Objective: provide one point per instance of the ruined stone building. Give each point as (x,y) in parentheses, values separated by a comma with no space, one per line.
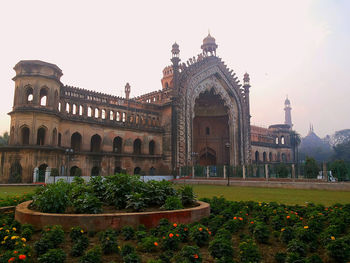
(201,116)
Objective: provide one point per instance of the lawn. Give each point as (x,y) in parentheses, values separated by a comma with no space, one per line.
(15,190)
(279,195)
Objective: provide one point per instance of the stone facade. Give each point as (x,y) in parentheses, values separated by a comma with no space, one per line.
(200,116)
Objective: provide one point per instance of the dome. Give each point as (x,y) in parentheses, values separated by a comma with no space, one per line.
(209,45)
(175,50)
(209,40)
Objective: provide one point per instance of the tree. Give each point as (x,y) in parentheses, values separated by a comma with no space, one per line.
(4,139)
(295,140)
(311,168)
(342,151)
(339,170)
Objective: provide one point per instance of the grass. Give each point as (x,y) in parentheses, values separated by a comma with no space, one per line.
(279,195)
(15,190)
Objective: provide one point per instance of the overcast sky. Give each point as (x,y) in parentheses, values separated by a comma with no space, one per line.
(300,48)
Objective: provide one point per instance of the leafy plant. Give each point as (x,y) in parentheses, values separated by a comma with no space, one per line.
(136,202)
(261,232)
(149,244)
(108,241)
(132,258)
(172,203)
(249,252)
(80,245)
(127,249)
(53,256)
(190,254)
(87,203)
(221,248)
(76,232)
(128,232)
(187,195)
(93,255)
(199,234)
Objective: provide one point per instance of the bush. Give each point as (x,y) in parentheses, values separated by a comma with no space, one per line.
(108,241)
(172,203)
(338,250)
(140,235)
(314,259)
(132,258)
(76,233)
(199,234)
(249,252)
(27,231)
(295,246)
(261,232)
(149,244)
(42,246)
(136,201)
(93,255)
(87,203)
(187,195)
(190,254)
(53,256)
(171,241)
(280,257)
(128,232)
(221,248)
(156,192)
(287,234)
(54,234)
(80,245)
(53,198)
(127,249)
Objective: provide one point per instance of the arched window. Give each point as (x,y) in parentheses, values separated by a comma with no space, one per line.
(80,110)
(74,109)
(117,145)
(207,131)
(124,117)
(89,112)
(15,173)
(111,115)
(67,107)
(75,141)
(54,137)
(56,99)
(137,119)
(95,145)
(118,116)
(29,95)
(117,170)
(152,171)
(276,140)
(59,106)
(43,97)
(270,157)
(282,140)
(25,135)
(264,157)
(151,147)
(166,85)
(284,158)
(12,135)
(95,171)
(40,139)
(256,156)
(59,139)
(103,114)
(137,170)
(137,146)
(96,113)
(74,170)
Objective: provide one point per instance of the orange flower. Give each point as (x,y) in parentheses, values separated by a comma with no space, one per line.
(177,235)
(175,225)
(288,217)
(15,252)
(200,229)
(306,227)
(163,237)
(209,233)
(252,222)
(240,218)
(332,237)
(185,229)
(11,259)
(235,218)
(22,257)
(195,256)
(171,235)
(156,244)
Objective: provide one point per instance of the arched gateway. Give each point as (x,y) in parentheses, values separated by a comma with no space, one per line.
(212,112)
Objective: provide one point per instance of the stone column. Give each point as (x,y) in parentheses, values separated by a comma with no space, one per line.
(192,171)
(267,172)
(243,166)
(224,171)
(293,172)
(207,172)
(35,174)
(47,174)
(325,172)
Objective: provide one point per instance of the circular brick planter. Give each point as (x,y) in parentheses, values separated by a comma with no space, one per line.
(98,222)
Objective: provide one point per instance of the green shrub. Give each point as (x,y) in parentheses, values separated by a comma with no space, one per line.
(183,231)
(166,257)
(132,258)
(53,198)
(53,256)
(93,255)
(223,233)
(171,241)
(261,232)
(76,232)
(232,225)
(156,192)
(127,249)
(314,259)
(108,241)
(42,246)
(221,248)
(87,203)
(54,234)
(296,246)
(200,235)
(287,234)
(280,257)
(187,195)
(338,250)
(172,203)
(128,232)
(249,252)
(80,245)
(149,244)
(216,223)
(293,257)
(27,231)
(190,254)
(140,235)
(136,202)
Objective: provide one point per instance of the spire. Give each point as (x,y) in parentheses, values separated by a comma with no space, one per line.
(209,46)
(127,90)
(288,113)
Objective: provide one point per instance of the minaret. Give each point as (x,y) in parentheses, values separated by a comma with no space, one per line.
(209,46)
(287,113)
(127,90)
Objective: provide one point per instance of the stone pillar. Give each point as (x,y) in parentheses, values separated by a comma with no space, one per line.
(325,172)
(192,171)
(224,171)
(35,174)
(47,174)
(293,172)
(266,172)
(243,166)
(207,172)
(179,176)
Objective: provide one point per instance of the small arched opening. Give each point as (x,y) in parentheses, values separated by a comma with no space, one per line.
(117,170)
(264,157)
(43,97)
(152,171)
(137,146)
(75,171)
(75,142)
(282,140)
(29,95)
(42,170)
(137,170)
(284,158)
(270,157)
(40,139)
(25,135)
(95,145)
(59,139)
(151,147)
(15,173)
(95,171)
(54,137)
(256,156)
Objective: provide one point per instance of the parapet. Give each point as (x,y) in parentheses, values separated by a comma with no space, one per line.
(37,68)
